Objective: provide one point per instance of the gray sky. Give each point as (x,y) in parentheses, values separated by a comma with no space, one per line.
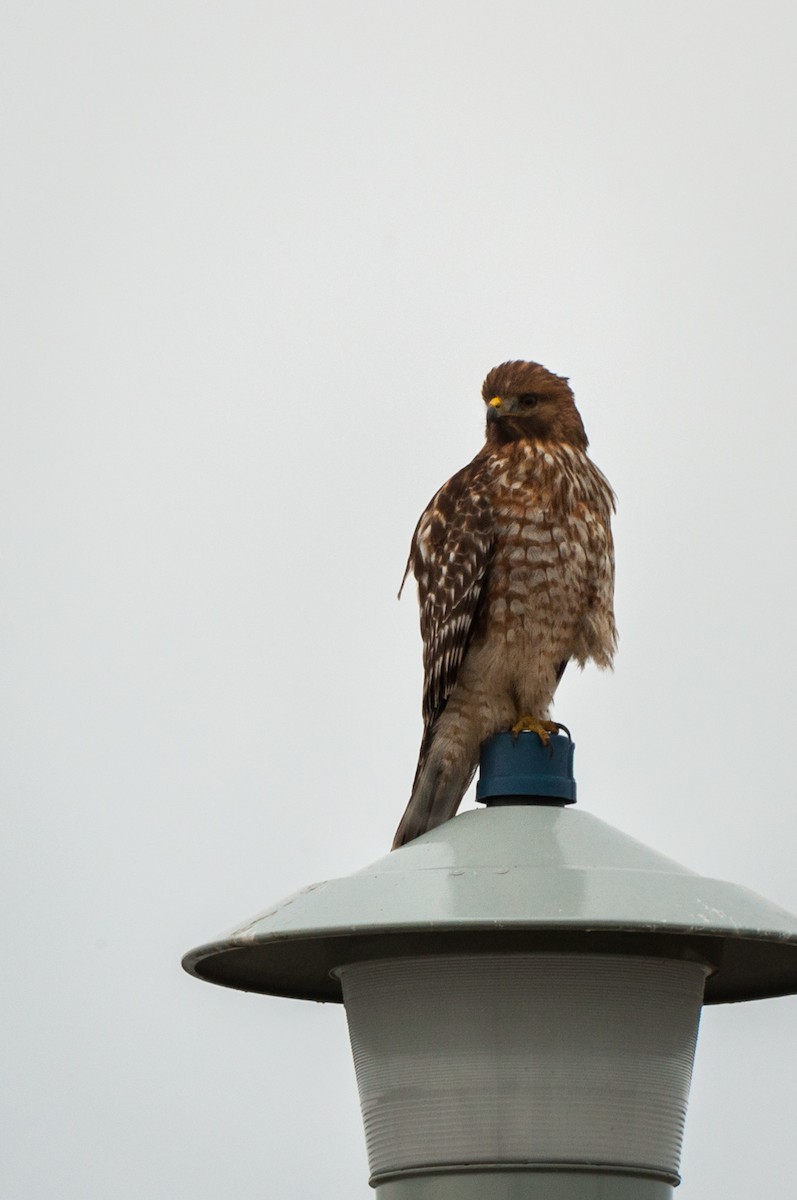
(257,260)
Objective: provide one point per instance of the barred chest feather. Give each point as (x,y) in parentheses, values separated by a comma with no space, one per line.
(551,509)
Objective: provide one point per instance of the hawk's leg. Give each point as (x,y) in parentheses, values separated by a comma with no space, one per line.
(543,729)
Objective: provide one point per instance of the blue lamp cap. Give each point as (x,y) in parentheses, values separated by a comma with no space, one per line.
(519,769)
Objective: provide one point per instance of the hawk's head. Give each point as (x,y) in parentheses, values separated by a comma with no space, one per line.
(526,401)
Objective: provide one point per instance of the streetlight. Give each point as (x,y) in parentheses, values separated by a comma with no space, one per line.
(523,988)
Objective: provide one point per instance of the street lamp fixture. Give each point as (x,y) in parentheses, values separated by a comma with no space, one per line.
(523,987)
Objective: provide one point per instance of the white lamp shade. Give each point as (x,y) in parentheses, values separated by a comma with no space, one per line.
(524,1059)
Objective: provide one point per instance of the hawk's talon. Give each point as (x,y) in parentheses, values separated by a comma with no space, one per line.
(543,729)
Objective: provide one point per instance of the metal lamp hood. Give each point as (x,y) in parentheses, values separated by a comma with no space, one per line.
(512,878)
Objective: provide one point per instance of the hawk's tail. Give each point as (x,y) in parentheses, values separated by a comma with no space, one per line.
(441,780)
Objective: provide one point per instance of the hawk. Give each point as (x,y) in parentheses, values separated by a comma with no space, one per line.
(515,568)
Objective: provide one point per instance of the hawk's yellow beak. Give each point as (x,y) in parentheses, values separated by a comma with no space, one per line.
(494,409)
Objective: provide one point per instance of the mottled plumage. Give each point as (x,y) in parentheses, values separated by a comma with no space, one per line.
(515,570)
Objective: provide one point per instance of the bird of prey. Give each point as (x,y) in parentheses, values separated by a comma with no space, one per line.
(515,568)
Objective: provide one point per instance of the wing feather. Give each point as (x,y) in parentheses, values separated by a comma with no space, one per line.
(451,551)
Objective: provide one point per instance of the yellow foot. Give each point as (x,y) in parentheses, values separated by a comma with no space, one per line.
(543,729)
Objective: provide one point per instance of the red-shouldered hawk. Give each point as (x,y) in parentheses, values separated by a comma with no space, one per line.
(515,569)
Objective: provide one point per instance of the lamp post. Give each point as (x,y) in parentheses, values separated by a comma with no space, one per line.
(523,988)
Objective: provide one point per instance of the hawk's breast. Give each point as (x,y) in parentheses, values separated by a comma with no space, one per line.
(539,583)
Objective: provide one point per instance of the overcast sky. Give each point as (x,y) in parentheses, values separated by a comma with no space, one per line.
(257,258)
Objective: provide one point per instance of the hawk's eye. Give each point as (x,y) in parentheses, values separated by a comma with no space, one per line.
(527,399)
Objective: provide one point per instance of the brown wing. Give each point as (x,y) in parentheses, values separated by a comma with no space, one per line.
(450,553)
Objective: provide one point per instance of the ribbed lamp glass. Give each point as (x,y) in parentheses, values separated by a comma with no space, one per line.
(540,1060)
